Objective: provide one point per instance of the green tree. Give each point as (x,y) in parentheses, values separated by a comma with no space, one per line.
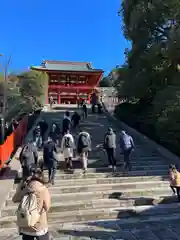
(152,68)
(33,87)
(105,82)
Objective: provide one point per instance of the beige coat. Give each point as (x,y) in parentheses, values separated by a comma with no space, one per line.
(44,202)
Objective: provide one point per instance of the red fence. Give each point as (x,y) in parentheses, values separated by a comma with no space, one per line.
(14,140)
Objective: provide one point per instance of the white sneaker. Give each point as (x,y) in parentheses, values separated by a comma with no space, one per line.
(110,166)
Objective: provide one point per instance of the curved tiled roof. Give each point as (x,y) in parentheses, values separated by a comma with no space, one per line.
(66,66)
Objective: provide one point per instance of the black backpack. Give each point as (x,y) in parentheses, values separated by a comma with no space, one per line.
(67,142)
(83,141)
(26,155)
(26,152)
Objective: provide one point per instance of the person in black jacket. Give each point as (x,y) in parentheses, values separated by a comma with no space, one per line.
(66,124)
(75,119)
(43,127)
(50,160)
(54,132)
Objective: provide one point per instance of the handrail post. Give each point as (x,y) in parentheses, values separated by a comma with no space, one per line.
(2,129)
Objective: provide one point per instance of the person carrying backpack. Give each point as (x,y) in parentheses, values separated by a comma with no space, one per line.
(28,158)
(127,146)
(67,148)
(84,147)
(66,124)
(110,146)
(50,158)
(34,203)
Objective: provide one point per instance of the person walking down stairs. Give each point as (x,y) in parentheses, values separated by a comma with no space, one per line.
(84,147)
(174,177)
(110,147)
(127,146)
(34,203)
(67,148)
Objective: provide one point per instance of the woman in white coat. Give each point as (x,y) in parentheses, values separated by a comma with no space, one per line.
(67,148)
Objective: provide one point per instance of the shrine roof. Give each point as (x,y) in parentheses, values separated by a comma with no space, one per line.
(66,66)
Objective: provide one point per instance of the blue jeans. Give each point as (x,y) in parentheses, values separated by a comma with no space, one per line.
(127,160)
(38,142)
(51,174)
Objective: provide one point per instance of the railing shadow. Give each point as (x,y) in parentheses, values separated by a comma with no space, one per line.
(126,224)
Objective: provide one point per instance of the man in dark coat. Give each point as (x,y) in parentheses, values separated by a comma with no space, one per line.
(43,127)
(66,124)
(50,158)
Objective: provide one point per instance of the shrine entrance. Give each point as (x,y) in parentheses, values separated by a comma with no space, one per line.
(70,81)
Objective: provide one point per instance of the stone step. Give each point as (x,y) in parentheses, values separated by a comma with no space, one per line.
(110,186)
(102,214)
(94,168)
(159,197)
(96,173)
(107,180)
(154,228)
(134,168)
(134,163)
(99,203)
(117,194)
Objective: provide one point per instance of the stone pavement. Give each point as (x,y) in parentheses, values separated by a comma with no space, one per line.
(104,205)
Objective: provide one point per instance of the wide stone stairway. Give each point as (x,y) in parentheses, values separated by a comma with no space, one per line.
(106,205)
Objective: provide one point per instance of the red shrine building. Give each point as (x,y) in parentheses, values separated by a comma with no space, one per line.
(70,81)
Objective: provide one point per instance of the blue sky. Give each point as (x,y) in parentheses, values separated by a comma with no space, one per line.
(75,30)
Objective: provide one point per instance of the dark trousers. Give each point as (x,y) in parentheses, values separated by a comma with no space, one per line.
(127,160)
(51,174)
(44,237)
(93,108)
(99,108)
(178,193)
(68,162)
(110,155)
(26,172)
(84,113)
(173,189)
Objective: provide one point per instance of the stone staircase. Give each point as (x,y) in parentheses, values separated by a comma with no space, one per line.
(106,205)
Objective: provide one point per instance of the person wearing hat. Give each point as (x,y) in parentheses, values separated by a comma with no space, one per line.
(127,146)
(110,146)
